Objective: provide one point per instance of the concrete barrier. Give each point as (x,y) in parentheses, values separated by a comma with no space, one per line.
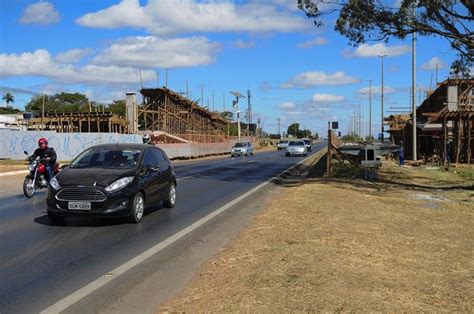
(69,145)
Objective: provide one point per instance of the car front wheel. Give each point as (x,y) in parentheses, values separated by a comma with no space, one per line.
(171,199)
(138,208)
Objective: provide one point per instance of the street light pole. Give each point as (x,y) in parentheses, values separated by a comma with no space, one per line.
(413,92)
(370,108)
(382,87)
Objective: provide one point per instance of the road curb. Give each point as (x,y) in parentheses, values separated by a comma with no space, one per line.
(11,173)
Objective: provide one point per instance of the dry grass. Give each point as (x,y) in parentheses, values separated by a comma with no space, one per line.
(353,246)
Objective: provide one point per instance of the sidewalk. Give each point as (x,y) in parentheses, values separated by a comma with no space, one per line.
(345,245)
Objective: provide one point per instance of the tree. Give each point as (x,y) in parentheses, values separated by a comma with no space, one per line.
(8,98)
(61,102)
(118,107)
(293,129)
(368,20)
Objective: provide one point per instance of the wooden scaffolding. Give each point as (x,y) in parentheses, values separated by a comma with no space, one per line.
(81,122)
(166,111)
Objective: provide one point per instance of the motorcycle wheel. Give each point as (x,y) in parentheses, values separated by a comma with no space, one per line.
(29,188)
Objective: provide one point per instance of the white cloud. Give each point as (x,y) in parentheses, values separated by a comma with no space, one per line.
(127,13)
(286,105)
(378,49)
(318,41)
(72,55)
(40,13)
(376,90)
(40,63)
(327,98)
(431,64)
(152,52)
(165,17)
(311,79)
(244,44)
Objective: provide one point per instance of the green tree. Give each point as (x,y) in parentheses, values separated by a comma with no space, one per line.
(8,110)
(8,98)
(61,102)
(293,129)
(118,107)
(368,20)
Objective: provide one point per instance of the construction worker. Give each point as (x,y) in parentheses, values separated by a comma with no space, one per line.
(147,139)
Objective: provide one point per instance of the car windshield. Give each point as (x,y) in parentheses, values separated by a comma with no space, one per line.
(306,142)
(283,142)
(240,144)
(107,158)
(296,143)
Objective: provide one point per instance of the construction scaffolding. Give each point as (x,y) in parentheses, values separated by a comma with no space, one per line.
(445,129)
(166,111)
(81,122)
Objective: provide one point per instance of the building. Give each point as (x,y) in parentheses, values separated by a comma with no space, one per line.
(445,123)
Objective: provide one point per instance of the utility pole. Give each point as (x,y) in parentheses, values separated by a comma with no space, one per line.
(382,87)
(141,79)
(279,131)
(413,91)
(187,89)
(370,108)
(42,114)
(236,103)
(249,108)
(202,96)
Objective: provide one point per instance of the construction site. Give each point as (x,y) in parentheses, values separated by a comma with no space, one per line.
(166,115)
(445,125)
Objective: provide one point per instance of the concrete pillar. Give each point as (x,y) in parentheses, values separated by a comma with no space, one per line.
(132,112)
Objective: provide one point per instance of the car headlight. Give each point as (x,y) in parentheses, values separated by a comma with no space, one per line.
(119,184)
(54,183)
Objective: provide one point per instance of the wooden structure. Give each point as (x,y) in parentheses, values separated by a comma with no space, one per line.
(166,111)
(445,127)
(81,122)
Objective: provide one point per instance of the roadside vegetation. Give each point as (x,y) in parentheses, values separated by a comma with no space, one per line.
(346,245)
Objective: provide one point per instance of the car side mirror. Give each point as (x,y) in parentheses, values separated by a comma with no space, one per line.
(25,152)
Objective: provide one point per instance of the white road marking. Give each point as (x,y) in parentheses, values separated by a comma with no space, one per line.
(76,296)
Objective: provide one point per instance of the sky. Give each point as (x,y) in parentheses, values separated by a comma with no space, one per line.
(294,71)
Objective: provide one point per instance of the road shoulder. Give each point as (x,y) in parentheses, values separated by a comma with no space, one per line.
(347,245)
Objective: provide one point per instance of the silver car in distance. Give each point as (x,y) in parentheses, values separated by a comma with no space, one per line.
(242,149)
(296,148)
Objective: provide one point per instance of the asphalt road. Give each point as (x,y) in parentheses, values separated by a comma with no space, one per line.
(41,264)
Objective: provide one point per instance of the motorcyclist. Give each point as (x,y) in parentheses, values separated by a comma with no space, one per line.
(147,139)
(46,155)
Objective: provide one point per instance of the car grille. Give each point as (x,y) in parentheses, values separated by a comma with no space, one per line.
(81,194)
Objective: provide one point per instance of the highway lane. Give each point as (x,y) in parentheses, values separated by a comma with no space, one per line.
(41,264)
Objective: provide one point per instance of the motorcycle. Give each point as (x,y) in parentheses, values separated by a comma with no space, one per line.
(36,179)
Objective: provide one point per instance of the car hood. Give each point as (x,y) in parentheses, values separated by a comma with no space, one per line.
(92,176)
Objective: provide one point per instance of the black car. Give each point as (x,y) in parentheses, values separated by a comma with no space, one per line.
(112,180)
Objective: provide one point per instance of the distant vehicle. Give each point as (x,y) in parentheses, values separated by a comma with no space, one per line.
(307,143)
(112,180)
(296,148)
(242,149)
(282,144)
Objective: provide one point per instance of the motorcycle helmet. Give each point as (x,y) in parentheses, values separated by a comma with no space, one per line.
(43,143)
(146,139)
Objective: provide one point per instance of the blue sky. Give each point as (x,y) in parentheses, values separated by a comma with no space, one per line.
(295,72)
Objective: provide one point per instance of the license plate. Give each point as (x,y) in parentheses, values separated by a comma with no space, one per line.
(79,206)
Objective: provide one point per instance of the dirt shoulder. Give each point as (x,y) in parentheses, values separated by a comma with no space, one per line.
(345,245)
